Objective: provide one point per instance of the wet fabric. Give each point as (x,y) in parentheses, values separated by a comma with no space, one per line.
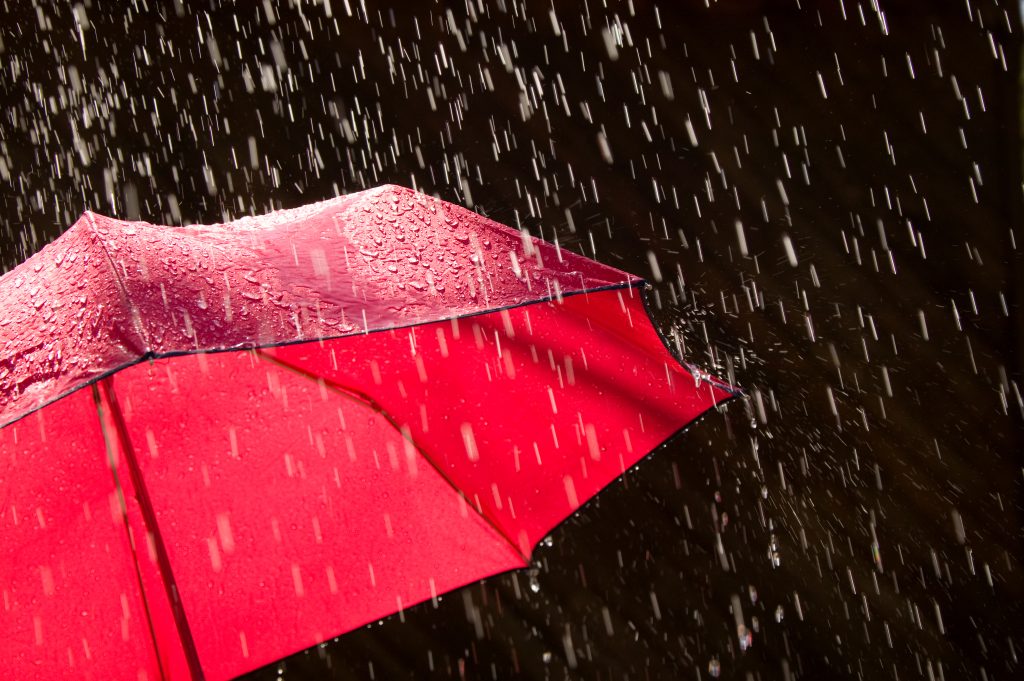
(228,443)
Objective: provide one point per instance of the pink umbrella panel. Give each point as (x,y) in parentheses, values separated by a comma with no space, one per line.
(228,443)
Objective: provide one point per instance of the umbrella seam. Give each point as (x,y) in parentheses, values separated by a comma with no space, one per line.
(151,355)
(377,407)
(136,322)
(637,283)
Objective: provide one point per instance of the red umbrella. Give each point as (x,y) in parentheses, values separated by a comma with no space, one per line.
(224,444)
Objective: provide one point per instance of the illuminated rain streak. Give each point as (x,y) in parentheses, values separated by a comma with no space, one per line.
(469,441)
(923,323)
(787,244)
(610,44)
(652,260)
(690,132)
(606,151)
(741,238)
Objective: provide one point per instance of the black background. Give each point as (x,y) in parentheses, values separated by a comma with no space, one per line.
(883,376)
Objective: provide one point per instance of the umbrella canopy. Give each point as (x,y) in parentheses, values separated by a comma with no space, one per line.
(223,444)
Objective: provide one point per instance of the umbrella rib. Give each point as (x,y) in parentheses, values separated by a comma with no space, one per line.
(131,538)
(188,644)
(364,399)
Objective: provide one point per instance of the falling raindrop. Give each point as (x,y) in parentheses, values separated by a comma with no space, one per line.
(745,637)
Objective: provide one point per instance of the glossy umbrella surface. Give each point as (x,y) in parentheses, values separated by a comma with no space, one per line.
(223,444)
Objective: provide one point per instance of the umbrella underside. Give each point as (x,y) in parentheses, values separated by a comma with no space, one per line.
(292,493)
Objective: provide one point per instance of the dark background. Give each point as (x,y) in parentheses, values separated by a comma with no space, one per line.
(867,491)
